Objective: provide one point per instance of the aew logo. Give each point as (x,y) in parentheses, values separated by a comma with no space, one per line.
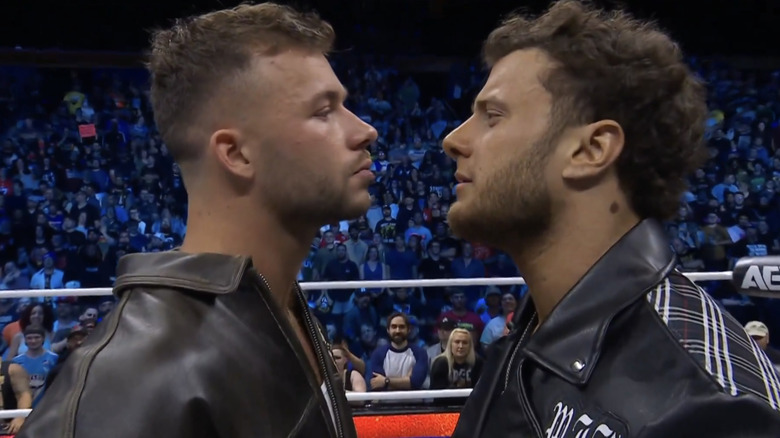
(758,276)
(584,427)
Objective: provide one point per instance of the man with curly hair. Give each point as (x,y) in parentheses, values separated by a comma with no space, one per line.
(579,146)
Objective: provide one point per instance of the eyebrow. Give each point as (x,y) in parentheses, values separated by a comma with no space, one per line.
(482,103)
(332,95)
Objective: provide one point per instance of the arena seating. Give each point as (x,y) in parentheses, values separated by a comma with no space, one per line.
(86,178)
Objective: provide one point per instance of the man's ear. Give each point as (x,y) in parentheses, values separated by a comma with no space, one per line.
(231,154)
(596,149)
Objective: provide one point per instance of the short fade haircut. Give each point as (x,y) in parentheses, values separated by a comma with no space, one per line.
(609,65)
(197,56)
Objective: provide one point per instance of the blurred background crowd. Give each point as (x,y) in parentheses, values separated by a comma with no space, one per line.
(86,179)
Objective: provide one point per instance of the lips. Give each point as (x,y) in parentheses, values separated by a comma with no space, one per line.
(461,178)
(366,166)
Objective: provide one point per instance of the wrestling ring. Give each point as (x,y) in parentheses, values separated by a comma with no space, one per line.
(379,419)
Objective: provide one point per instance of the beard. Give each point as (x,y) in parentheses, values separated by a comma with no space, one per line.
(511,204)
(317,199)
(399,339)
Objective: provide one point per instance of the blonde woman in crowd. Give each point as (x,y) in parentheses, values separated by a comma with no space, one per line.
(458,366)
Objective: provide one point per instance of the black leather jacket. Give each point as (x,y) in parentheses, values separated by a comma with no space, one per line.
(633,350)
(196,347)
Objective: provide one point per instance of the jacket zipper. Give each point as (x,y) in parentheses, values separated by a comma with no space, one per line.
(320,356)
(514,353)
(315,334)
(526,404)
(523,396)
(83,369)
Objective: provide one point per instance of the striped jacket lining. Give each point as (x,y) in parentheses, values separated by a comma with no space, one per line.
(715,339)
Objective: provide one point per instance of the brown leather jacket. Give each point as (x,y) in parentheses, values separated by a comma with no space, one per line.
(195,348)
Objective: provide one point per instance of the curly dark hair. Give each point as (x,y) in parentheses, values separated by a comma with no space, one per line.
(610,65)
(48,316)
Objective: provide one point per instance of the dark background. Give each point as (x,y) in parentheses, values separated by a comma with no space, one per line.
(441,27)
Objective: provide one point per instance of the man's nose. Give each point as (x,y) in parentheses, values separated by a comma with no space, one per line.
(456,143)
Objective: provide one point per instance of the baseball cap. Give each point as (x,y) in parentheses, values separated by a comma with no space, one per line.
(447,324)
(756,328)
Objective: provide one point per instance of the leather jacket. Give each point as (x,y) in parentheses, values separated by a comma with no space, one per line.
(634,349)
(196,347)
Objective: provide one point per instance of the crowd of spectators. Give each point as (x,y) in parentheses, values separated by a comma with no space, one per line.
(85,179)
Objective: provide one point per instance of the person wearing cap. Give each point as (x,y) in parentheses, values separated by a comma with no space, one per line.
(760,333)
(489,306)
(443,330)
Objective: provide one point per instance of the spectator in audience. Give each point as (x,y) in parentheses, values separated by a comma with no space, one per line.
(496,327)
(105,306)
(14,278)
(325,254)
(341,269)
(399,300)
(760,333)
(458,366)
(489,306)
(398,366)
(67,317)
(443,330)
(16,394)
(401,261)
(422,232)
(386,228)
(466,266)
(367,343)
(37,314)
(352,379)
(74,339)
(356,248)
(373,269)
(462,316)
(49,277)
(363,313)
(37,360)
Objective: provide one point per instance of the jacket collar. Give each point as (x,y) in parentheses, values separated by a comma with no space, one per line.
(206,273)
(570,340)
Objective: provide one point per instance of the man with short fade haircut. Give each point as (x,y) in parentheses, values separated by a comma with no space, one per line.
(215,339)
(579,146)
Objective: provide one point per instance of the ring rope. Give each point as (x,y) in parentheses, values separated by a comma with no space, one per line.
(330,285)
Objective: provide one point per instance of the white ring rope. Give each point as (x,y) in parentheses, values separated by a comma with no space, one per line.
(330,285)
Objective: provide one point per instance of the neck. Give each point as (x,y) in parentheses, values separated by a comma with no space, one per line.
(459,360)
(276,247)
(551,267)
(400,346)
(34,353)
